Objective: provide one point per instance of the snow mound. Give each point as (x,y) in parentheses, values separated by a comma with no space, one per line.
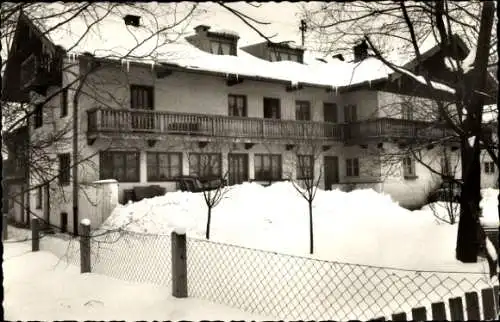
(361,226)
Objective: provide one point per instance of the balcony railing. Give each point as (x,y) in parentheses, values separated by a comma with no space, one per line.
(394,128)
(134,121)
(122,121)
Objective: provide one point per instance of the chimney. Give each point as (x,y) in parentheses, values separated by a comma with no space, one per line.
(132,20)
(201,29)
(360,51)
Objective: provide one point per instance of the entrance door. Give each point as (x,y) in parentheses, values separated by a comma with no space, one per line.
(331,164)
(238,168)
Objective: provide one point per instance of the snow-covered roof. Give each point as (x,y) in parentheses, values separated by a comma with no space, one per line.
(111,38)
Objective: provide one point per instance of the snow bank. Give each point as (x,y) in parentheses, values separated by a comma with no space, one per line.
(361,226)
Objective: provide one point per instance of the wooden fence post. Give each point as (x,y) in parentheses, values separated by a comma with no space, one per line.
(438,311)
(5,232)
(85,246)
(472,306)
(419,314)
(488,303)
(35,234)
(456,309)
(179,264)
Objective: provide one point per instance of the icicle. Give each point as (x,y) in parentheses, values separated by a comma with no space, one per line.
(370,83)
(336,91)
(128,66)
(152,66)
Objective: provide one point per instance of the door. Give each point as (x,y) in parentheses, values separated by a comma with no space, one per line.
(330,116)
(331,164)
(238,168)
(142,101)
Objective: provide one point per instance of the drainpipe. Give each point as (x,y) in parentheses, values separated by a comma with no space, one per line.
(27,155)
(75,163)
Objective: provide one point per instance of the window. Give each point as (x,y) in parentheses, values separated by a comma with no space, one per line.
(408,167)
(406,111)
(272,108)
(489,167)
(39,198)
(305,167)
(118,165)
(205,164)
(64,168)
(302,110)
(64,102)
(445,167)
(38,116)
(237,105)
(267,167)
(350,113)
(222,48)
(352,167)
(141,97)
(163,166)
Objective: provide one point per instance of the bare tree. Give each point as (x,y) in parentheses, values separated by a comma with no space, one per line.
(206,164)
(381,24)
(308,172)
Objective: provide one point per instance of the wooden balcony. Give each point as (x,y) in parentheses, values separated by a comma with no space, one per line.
(391,128)
(40,71)
(125,121)
(155,124)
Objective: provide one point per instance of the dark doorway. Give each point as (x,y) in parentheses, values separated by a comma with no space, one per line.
(331,164)
(238,168)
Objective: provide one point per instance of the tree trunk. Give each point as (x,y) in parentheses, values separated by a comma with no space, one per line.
(467,239)
(207,234)
(311,234)
(467,243)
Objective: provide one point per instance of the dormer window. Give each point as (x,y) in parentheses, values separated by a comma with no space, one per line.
(218,47)
(277,55)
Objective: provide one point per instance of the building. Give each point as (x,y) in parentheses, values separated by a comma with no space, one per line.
(202,105)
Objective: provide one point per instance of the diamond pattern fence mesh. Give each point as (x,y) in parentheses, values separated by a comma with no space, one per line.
(290,287)
(270,284)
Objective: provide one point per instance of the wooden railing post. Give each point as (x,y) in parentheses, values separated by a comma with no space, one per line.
(179,264)
(85,246)
(35,234)
(489,303)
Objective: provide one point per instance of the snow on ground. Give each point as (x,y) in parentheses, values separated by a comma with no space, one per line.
(349,227)
(37,288)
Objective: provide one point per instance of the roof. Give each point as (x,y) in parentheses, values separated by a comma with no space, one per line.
(111,38)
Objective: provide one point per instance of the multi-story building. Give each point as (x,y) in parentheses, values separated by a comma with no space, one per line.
(249,111)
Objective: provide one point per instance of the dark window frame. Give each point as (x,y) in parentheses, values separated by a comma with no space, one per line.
(155,177)
(232,47)
(201,173)
(105,173)
(230,108)
(334,107)
(64,173)
(350,113)
(134,101)
(352,167)
(409,170)
(64,102)
(489,167)
(38,116)
(300,113)
(268,174)
(301,160)
(39,197)
(272,103)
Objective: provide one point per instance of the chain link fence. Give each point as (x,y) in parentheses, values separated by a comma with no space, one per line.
(299,288)
(266,283)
